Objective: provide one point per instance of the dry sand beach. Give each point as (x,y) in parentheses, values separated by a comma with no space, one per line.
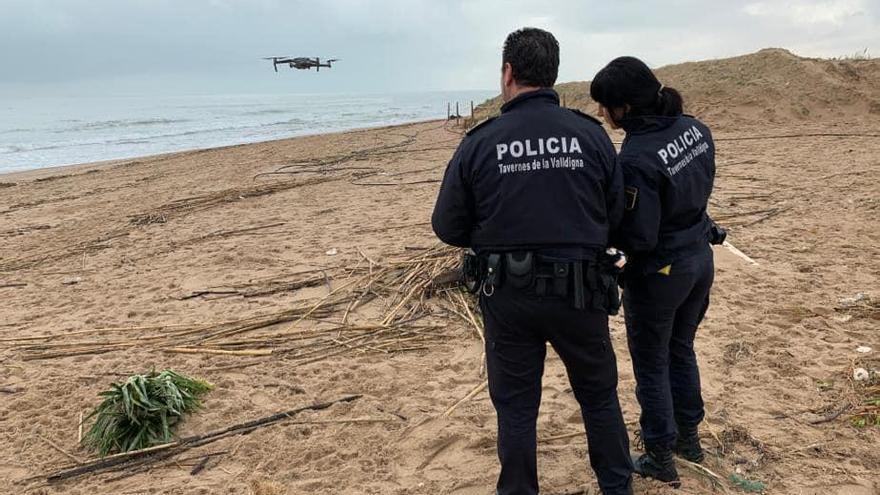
(116,268)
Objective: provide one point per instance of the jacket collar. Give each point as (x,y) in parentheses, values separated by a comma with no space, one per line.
(647,123)
(543,95)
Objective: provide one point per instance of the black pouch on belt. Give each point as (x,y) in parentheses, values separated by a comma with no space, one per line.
(472,271)
(520,269)
(578,301)
(595,287)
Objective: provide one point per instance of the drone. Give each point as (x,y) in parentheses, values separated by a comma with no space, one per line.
(300,62)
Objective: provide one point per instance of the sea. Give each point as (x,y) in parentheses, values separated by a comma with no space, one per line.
(37,132)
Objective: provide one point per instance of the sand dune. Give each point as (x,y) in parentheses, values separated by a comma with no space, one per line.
(770,86)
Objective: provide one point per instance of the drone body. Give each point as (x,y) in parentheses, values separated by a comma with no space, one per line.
(300,62)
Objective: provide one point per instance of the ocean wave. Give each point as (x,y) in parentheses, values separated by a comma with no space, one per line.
(293,121)
(121,123)
(246,130)
(16,130)
(11,148)
(268,111)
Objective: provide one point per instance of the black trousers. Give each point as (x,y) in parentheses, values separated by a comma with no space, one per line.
(518,327)
(662,315)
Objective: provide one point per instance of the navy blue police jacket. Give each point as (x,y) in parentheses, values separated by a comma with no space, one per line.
(668,168)
(538,177)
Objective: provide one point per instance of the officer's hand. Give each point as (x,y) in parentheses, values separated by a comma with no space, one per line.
(618,257)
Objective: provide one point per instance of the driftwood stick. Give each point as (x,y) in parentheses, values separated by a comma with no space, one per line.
(562,437)
(200,466)
(79,435)
(831,416)
(713,477)
(59,449)
(244,352)
(768,216)
(730,247)
(473,393)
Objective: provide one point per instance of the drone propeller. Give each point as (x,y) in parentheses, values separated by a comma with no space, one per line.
(333,60)
(274,61)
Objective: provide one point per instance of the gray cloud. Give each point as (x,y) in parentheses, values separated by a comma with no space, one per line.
(215,45)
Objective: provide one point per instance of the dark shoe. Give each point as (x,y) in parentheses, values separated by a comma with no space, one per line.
(688,444)
(626,491)
(659,464)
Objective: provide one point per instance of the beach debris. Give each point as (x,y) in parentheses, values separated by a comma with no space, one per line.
(715,479)
(79,427)
(77,249)
(747,485)
(149,218)
(138,460)
(411,301)
(860,305)
(200,466)
(23,230)
(71,280)
(852,301)
(832,415)
(288,282)
(866,393)
(824,385)
(332,252)
(473,393)
(143,411)
(59,449)
(868,411)
(863,349)
(11,390)
(186,206)
(861,375)
(733,249)
(12,285)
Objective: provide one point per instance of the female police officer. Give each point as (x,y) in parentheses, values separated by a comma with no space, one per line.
(668,162)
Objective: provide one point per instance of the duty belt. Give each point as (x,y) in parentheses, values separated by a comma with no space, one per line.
(588,283)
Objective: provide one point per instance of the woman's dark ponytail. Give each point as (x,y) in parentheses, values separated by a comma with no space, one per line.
(669,103)
(629,81)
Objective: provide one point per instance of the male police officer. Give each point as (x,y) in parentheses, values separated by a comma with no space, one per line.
(534,192)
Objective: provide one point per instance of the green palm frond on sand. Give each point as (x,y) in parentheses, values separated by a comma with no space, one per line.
(143,411)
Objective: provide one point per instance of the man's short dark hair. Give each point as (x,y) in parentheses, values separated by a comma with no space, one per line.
(534,55)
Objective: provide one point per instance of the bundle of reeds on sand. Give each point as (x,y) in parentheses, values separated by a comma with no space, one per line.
(380,307)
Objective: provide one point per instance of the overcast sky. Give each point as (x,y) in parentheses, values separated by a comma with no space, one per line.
(55,47)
